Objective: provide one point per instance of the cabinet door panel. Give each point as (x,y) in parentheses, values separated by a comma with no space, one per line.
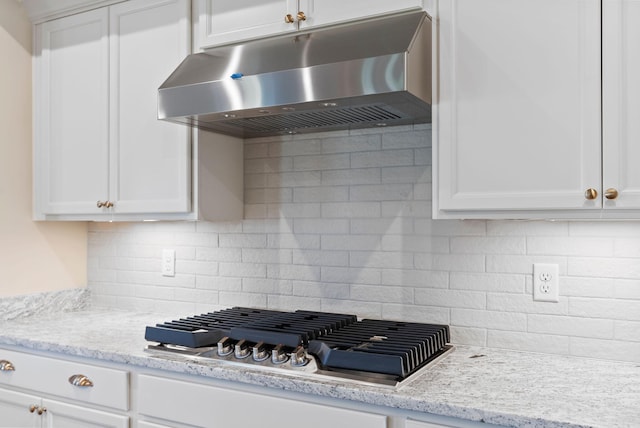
(14,410)
(226,21)
(51,376)
(517,125)
(72,131)
(621,101)
(202,405)
(62,415)
(323,12)
(150,158)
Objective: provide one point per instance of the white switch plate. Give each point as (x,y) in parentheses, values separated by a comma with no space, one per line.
(546,284)
(168,262)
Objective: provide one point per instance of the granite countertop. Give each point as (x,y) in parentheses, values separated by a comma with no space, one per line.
(494,386)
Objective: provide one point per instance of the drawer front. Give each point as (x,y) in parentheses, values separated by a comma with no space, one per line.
(52,376)
(212,407)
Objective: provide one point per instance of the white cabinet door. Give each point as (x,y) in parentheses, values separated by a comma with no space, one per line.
(71,110)
(226,21)
(203,405)
(150,159)
(323,12)
(517,125)
(97,137)
(621,101)
(14,410)
(63,415)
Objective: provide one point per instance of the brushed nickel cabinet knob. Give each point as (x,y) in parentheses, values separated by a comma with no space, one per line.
(611,193)
(591,194)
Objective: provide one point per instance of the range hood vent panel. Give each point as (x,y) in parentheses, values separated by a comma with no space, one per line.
(364,74)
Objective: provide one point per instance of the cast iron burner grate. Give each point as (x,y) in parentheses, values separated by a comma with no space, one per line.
(396,348)
(255,325)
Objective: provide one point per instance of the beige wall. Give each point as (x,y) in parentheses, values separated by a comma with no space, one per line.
(34,256)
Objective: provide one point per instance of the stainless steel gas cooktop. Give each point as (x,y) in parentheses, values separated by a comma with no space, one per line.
(305,343)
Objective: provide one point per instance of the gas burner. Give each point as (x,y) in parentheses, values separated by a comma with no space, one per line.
(305,343)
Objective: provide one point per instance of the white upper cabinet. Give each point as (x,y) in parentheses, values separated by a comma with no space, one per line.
(71,113)
(226,21)
(99,149)
(150,158)
(517,126)
(520,129)
(621,104)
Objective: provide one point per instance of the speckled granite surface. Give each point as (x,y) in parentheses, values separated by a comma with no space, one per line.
(499,387)
(41,303)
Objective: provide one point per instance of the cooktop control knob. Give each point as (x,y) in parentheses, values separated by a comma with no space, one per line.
(242,349)
(299,357)
(278,355)
(225,347)
(260,352)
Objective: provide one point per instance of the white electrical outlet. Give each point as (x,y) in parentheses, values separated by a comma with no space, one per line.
(168,262)
(546,284)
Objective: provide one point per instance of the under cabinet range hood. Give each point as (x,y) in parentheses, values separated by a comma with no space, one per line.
(359,75)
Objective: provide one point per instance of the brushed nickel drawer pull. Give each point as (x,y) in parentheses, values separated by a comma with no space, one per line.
(80,380)
(6,366)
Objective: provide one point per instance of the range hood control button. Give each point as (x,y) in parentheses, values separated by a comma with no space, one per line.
(278,355)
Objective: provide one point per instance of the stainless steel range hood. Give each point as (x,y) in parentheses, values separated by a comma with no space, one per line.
(358,75)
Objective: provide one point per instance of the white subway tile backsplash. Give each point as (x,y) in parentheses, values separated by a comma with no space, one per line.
(487,245)
(615,309)
(383,294)
(605,349)
(242,270)
(381,192)
(533,342)
(320,289)
(627,330)
(563,246)
(524,304)
(626,289)
(321,162)
(443,298)
(341,222)
(270,286)
(350,177)
(359,143)
(321,258)
(350,275)
(626,268)
(489,282)
(414,313)
(350,210)
(415,278)
(571,326)
(492,320)
(321,226)
(321,194)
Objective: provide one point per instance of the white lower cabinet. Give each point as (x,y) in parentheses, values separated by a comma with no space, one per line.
(15,410)
(208,406)
(49,381)
(38,392)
